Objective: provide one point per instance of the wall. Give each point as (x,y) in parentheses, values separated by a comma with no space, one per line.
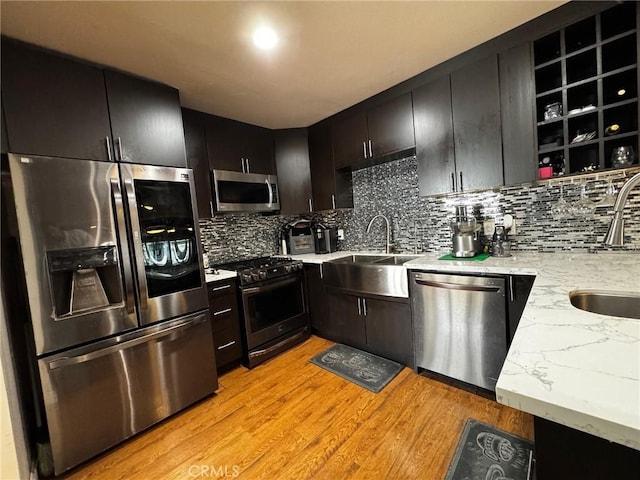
(420,224)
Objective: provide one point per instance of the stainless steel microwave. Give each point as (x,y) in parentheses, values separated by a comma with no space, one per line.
(245,192)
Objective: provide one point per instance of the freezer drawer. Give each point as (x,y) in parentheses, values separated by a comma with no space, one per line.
(98,395)
(460,326)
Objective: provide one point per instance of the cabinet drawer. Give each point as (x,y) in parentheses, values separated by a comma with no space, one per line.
(225,320)
(228,346)
(221,288)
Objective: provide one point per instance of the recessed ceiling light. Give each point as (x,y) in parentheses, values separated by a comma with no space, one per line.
(621,92)
(265,38)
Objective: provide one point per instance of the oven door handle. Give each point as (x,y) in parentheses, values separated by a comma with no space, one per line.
(270,286)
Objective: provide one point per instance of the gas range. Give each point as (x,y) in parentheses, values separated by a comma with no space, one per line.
(256,270)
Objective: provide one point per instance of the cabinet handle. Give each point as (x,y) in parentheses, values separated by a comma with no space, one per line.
(359,307)
(370,151)
(232,342)
(211,208)
(108,142)
(461,184)
(364,306)
(248,169)
(364,149)
(120,149)
(512,293)
(333,202)
(311,205)
(222,312)
(243,167)
(453,182)
(223,287)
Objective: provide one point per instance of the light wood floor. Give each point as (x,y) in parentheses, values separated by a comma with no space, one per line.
(289,419)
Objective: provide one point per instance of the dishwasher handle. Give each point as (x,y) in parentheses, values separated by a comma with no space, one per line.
(458,286)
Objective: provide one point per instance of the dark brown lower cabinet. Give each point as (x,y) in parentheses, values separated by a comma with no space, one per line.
(225,322)
(346,324)
(389,332)
(316,299)
(378,325)
(563,452)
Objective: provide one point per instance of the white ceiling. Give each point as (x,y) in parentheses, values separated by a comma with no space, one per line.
(331,55)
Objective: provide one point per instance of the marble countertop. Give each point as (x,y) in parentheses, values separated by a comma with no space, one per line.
(219,275)
(576,368)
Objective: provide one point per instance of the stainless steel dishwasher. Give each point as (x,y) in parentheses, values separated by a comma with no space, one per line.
(460,326)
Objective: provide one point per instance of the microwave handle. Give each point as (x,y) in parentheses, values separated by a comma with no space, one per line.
(270,188)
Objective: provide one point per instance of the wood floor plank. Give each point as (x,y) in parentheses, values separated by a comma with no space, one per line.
(290,419)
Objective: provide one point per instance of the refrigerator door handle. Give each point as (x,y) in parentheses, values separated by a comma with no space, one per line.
(143,293)
(121,232)
(175,331)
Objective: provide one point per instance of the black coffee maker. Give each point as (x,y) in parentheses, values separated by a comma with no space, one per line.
(326,239)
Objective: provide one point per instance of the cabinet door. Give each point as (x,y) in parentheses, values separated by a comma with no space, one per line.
(258,149)
(53,105)
(347,324)
(294,177)
(389,332)
(224,141)
(5,143)
(146,121)
(349,137)
(434,137)
(391,126)
(195,139)
(321,167)
(317,300)
(475,100)
(330,188)
(517,99)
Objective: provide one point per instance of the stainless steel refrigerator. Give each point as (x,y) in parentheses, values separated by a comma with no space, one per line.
(117,297)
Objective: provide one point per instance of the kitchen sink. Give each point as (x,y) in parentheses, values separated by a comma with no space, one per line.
(369,274)
(396,260)
(607,302)
(359,259)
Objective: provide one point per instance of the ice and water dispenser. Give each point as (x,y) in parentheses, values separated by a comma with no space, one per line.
(84,279)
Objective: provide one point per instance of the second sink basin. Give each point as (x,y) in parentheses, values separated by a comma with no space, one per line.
(607,302)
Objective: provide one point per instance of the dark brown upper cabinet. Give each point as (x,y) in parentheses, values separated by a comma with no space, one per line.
(434,137)
(195,139)
(331,188)
(58,106)
(382,130)
(54,105)
(146,121)
(294,176)
(457,124)
(475,99)
(517,100)
(239,147)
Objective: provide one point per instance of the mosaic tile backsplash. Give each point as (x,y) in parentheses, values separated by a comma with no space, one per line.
(421,224)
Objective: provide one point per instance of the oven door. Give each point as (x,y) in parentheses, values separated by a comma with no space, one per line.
(274,308)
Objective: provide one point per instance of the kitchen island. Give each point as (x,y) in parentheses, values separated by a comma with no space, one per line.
(573,367)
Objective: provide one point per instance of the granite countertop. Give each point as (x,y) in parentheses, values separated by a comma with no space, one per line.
(576,368)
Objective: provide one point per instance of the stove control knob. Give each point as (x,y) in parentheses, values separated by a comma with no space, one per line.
(262,274)
(299,266)
(287,268)
(246,277)
(255,276)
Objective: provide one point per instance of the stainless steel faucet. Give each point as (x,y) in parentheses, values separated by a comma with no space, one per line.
(615,234)
(388,230)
